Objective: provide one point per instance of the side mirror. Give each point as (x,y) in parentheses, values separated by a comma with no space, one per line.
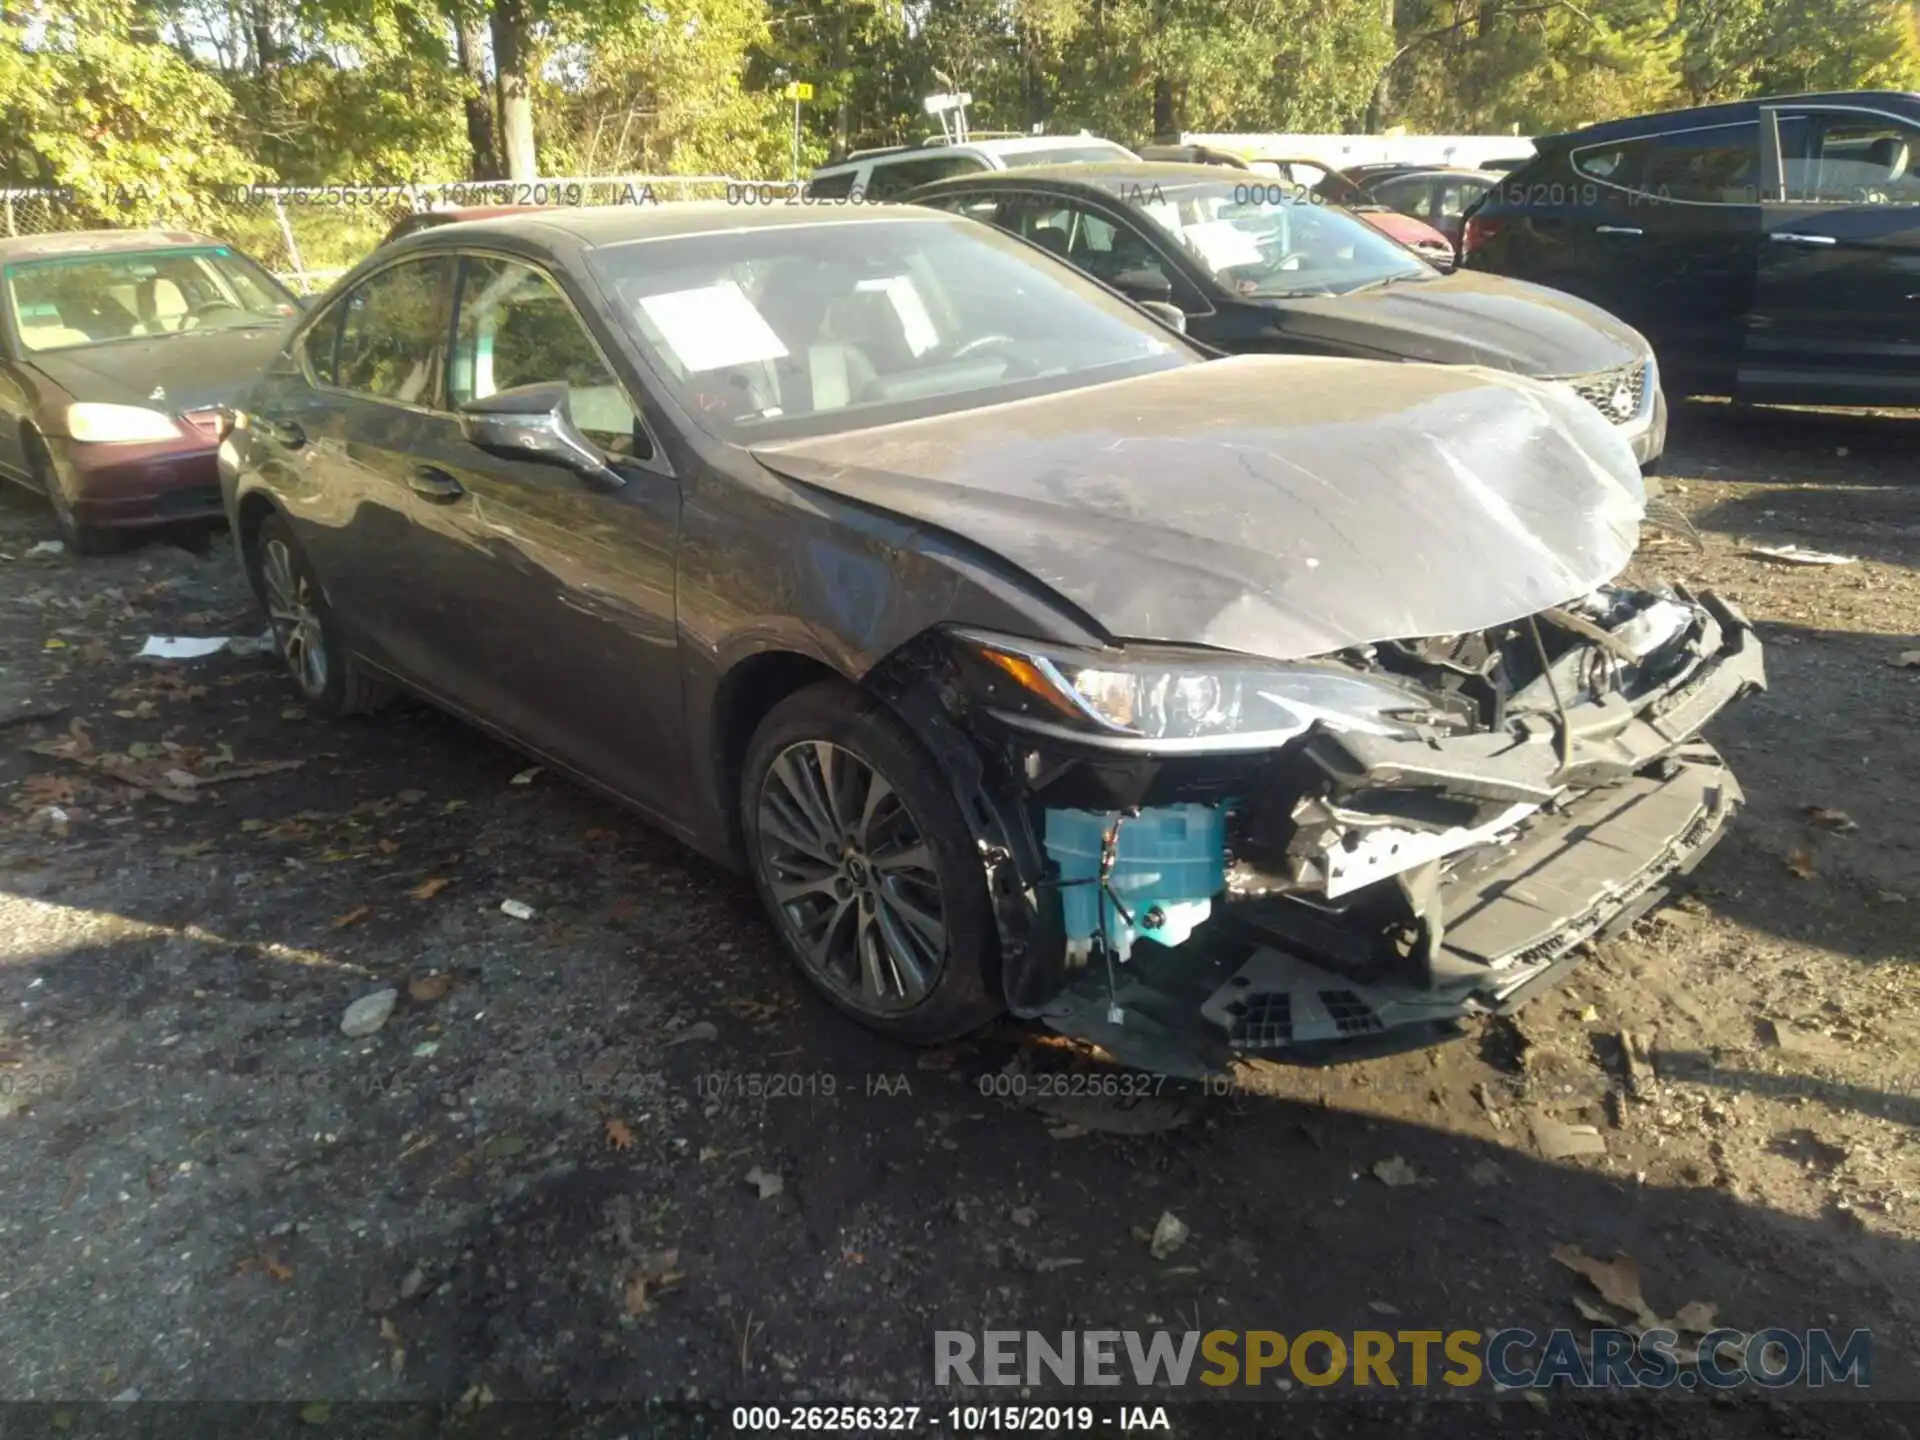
(534,422)
(1143,285)
(1168,314)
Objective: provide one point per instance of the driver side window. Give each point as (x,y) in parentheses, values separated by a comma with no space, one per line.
(515,328)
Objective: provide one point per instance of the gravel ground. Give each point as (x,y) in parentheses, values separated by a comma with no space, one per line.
(617,1151)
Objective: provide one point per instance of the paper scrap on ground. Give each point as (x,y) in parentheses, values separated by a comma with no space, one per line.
(712,327)
(198,647)
(1796,555)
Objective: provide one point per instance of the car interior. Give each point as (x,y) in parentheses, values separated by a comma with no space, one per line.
(67,303)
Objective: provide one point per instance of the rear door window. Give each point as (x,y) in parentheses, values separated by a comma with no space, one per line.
(1710,165)
(394,324)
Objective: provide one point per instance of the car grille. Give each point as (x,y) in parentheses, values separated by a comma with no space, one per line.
(1616,394)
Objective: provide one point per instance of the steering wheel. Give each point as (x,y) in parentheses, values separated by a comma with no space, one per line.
(979,342)
(197,312)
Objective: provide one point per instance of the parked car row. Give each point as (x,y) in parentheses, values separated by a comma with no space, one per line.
(1109,612)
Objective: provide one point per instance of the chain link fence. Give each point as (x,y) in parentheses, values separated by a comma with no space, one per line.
(311,234)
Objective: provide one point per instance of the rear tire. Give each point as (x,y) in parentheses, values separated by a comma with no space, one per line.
(866,867)
(305,634)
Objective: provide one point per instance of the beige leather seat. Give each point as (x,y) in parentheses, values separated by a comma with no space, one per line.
(52,337)
(163,307)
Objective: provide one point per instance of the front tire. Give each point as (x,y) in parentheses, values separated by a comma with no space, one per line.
(78,538)
(866,866)
(304,632)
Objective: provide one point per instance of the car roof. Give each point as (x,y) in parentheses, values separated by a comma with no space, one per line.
(1465,172)
(1006,145)
(98,242)
(1730,112)
(1098,175)
(592,226)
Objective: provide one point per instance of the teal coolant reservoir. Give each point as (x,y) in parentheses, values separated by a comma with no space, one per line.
(1168,864)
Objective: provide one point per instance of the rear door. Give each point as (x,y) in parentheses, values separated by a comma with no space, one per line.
(1836,314)
(1671,234)
(337,424)
(558,595)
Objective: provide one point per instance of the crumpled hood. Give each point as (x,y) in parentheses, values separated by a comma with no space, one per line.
(1279,506)
(192,371)
(1467,318)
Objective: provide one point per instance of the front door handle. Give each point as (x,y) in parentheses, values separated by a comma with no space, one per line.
(434,483)
(1795,237)
(1618,230)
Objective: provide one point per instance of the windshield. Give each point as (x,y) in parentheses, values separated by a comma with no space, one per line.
(1087,152)
(802,329)
(74,301)
(1268,239)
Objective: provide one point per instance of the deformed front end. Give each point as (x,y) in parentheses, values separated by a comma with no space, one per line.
(1197,856)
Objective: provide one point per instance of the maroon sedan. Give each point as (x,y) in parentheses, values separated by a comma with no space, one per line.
(119,353)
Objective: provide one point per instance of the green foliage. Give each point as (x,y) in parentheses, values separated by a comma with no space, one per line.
(138,132)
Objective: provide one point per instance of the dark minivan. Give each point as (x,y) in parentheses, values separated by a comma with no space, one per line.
(1770,249)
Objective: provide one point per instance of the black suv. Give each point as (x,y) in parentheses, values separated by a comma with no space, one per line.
(1770,249)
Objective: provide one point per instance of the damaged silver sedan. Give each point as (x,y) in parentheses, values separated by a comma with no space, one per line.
(1027,658)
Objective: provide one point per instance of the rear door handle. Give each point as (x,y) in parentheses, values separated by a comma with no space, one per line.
(1794,237)
(1618,230)
(434,483)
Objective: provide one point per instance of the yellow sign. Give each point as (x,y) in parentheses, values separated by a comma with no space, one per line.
(800,90)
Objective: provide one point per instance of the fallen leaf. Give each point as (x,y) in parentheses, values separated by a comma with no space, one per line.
(386,846)
(1169,1234)
(1617,1280)
(1052,1263)
(1598,1314)
(768,1185)
(698,1031)
(427,889)
(618,1135)
(525,777)
(1696,1317)
(1394,1171)
(1024,1216)
(425,989)
(1800,862)
(654,1276)
(352,917)
(1837,820)
(504,1147)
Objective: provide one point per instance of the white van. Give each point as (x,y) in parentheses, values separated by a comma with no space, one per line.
(884,174)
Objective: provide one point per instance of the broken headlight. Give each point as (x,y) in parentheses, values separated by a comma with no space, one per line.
(1196,698)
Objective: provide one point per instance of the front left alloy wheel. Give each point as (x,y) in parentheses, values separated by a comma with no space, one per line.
(304,633)
(866,867)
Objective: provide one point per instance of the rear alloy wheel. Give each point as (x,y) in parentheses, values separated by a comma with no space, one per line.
(866,868)
(303,629)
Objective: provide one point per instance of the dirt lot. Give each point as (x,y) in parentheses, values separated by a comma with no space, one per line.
(535,1176)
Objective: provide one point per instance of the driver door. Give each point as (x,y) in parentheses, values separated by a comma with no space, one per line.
(1836,312)
(562,593)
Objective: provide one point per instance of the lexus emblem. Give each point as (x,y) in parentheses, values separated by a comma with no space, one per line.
(1623,399)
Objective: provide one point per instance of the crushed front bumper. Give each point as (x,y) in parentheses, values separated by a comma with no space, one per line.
(1583,872)
(1335,940)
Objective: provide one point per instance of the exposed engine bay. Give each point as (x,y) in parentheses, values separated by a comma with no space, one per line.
(1345,855)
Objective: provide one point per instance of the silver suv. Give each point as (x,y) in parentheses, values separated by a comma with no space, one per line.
(888,173)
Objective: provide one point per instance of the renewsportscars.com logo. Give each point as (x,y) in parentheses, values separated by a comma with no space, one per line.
(1391,1359)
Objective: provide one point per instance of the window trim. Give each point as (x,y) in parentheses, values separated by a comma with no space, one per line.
(339,302)
(1574,153)
(1776,113)
(657,461)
